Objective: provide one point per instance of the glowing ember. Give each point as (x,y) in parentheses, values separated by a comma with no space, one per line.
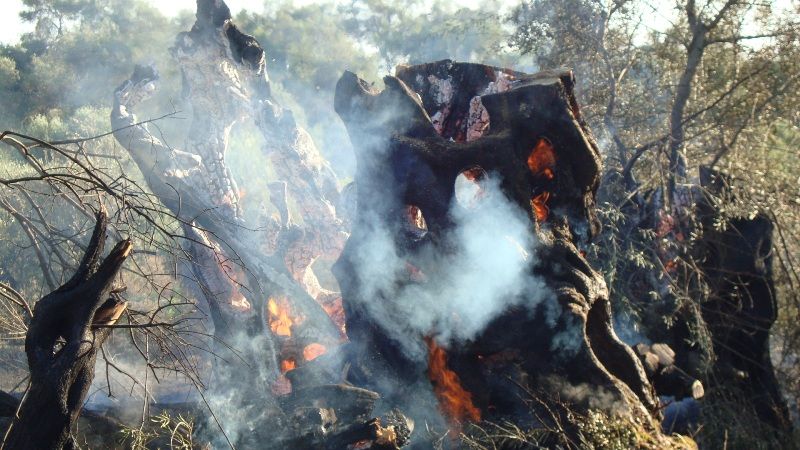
(469,189)
(335,310)
(313,350)
(671,266)
(282,385)
(279,320)
(454,401)
(287,365)
(539,205)
(542,160)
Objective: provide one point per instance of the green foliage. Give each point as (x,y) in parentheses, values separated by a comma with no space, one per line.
(601,431)
(736,425)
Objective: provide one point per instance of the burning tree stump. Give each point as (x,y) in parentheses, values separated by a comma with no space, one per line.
(68,327)
(261,293)
(225,81)
(519,145)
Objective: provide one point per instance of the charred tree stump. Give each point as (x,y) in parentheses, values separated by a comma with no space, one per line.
(431,125)
(68,327)
(238,274)
(721,333)
(741,309)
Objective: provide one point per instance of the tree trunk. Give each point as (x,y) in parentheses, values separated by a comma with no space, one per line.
(431,125)
(68,327)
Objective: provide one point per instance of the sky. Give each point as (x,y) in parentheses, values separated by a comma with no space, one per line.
(12,28)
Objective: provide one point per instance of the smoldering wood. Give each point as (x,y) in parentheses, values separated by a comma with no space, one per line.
(350,403)
(404,158)
(388,433)
(68,327)
(197,187)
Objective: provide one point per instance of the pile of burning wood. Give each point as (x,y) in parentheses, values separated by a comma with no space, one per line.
(330,369)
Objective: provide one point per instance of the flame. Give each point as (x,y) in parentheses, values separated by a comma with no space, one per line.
(539,205)
(454,400)
(287,365)
(314,350)
(542,159)
(542,163)
(282,385)
(279,320)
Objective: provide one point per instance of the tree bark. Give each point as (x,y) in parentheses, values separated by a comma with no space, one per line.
(412,141)
(68,327)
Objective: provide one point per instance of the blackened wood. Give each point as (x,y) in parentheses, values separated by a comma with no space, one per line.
(351,403)
(742,308)
(61,346)
(405,159)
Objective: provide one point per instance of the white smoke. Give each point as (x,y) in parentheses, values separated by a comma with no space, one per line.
(488,272)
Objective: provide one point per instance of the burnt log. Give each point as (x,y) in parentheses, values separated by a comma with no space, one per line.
(198,188)
(68,327)
(431,125)
(351,404)
(390,432)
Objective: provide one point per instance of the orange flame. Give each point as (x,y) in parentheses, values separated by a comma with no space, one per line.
(539,205)
(454,400)
(287,365)
(542,159)
(313,350)
(279,320)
